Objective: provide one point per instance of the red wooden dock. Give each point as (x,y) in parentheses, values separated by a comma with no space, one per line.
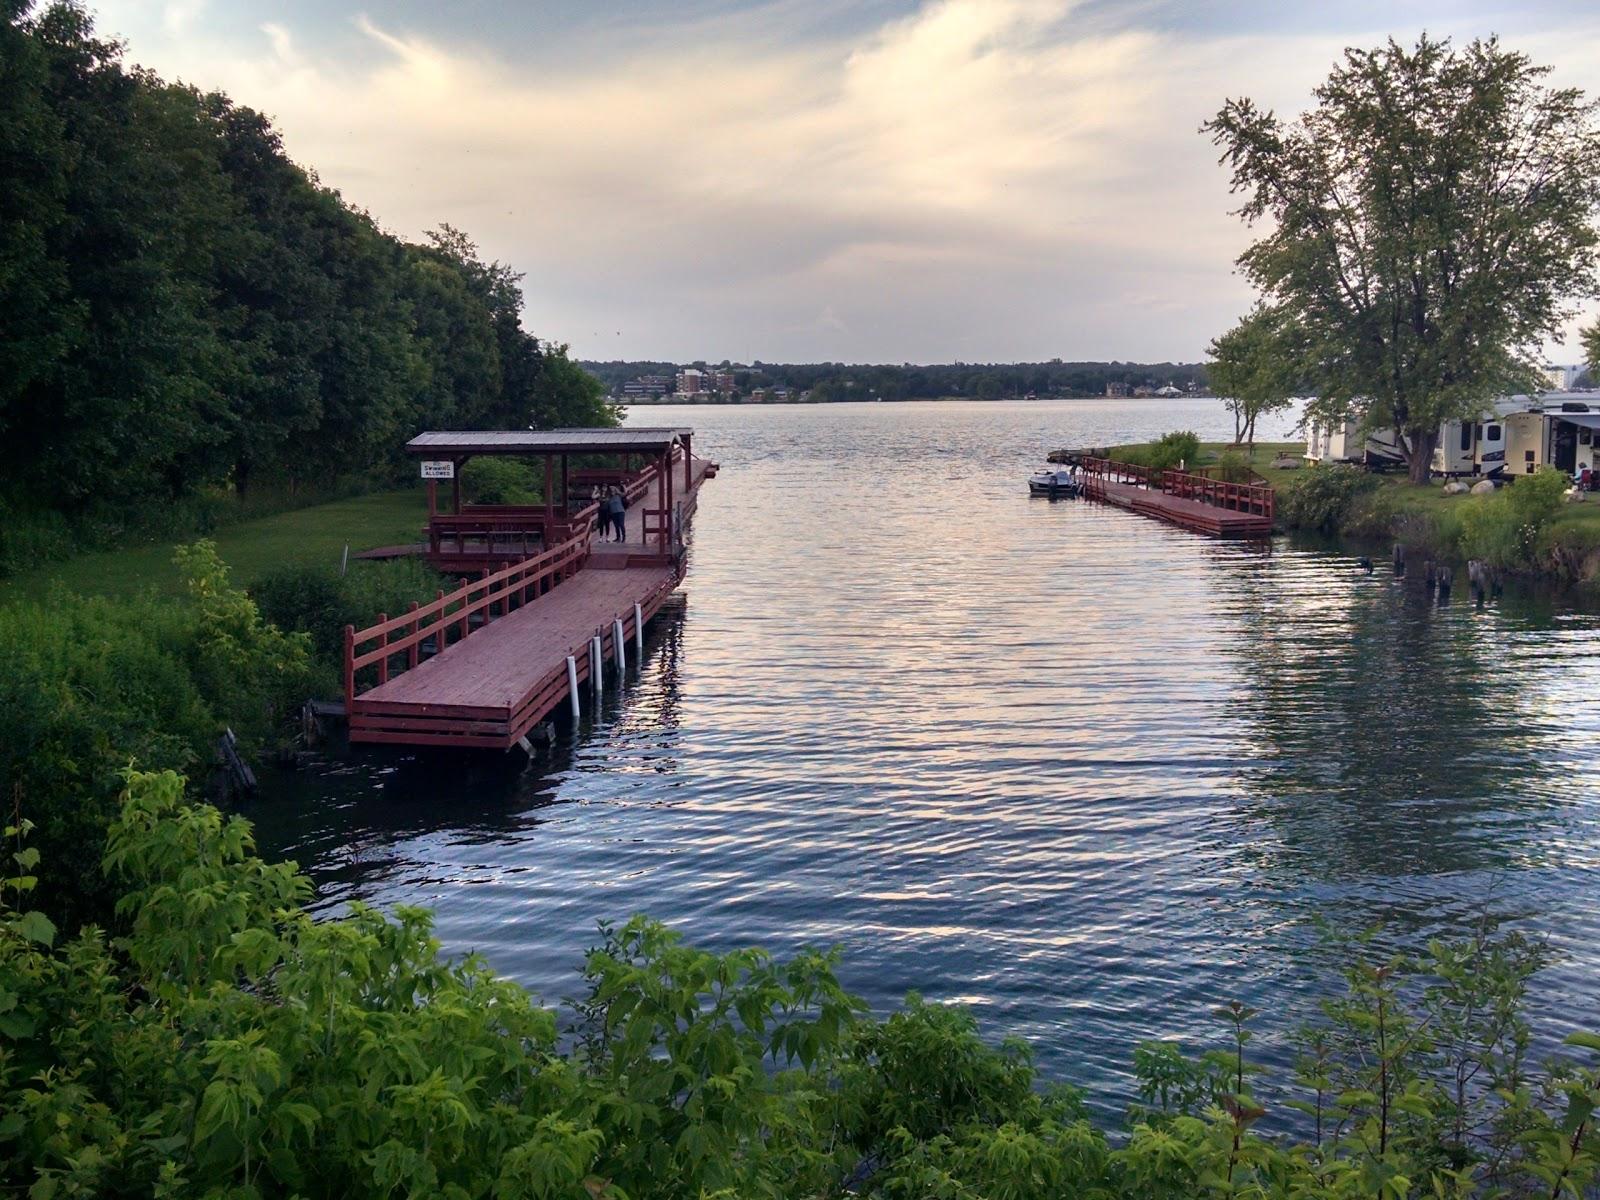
(1193,501)
(479,667)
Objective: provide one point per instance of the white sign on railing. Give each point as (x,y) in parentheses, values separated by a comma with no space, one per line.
(438,470)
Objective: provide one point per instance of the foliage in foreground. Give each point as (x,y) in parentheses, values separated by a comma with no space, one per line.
(90,683)
(226,1044)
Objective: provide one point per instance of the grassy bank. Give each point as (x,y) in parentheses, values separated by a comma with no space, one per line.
(1512,530)
(251,549)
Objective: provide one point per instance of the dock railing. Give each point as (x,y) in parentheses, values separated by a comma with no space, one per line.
(1256,499)
(469,607)
(1236,497)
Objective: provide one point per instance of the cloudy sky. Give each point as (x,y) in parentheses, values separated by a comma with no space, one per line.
(883,181)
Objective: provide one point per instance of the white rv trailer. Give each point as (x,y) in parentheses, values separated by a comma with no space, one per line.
(1476,447)
(1344,443)
(1557,429)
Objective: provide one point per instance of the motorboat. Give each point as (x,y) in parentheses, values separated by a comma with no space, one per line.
(1054,481)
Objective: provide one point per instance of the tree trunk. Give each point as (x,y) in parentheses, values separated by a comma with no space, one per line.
(1420,445)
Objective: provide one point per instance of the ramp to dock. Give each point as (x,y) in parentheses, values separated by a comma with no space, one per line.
(489,689)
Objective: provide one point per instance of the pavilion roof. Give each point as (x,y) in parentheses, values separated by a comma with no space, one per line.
(633,440)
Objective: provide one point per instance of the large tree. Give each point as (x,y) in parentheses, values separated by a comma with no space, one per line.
(1254,365)
(1430,223)
(1591,347)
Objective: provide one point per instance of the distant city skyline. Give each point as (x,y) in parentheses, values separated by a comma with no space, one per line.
(976,180)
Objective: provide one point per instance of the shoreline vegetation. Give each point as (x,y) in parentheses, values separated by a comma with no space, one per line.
(1528,527)
(218,1040)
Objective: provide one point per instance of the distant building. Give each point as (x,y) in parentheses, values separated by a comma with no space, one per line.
(1562,379)
(1114,388)
(692,382)
(1144,392)
(1168,391)
(722,381)
(646,388)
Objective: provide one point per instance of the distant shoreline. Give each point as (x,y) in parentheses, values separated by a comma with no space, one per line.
(685,403)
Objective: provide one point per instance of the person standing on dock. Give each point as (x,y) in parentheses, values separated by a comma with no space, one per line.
(614,513)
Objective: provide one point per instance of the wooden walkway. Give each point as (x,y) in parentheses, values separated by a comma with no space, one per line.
(481,666)
(1192,501)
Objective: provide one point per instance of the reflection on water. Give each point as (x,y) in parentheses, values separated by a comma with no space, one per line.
(1085,772)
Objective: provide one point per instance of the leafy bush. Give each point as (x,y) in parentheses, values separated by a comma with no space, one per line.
(1165,454)
(1322,498)
(229,1045)
(502,481)
(1505,529)
(318,601)
(1233,467)
(89,684)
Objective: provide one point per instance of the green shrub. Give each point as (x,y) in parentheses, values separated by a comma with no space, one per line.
(1166,453)
(230,1045)
(90,684)
(1323,498)
(502,481)
(1505,529)
(1233,467)
(318,601)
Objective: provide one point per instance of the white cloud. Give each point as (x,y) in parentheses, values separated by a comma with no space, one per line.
(994,178)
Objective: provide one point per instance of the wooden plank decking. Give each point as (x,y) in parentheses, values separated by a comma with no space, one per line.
(1191,514)
(1197,502)
(489,689)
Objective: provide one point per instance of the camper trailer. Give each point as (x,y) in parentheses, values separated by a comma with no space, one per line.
(1560,430)
(1343,443)
(1476,447)
(1332,443)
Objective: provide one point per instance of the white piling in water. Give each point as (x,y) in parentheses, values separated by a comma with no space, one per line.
(596,664)
(527,746)
(638,636)
(621,644)
(572,684)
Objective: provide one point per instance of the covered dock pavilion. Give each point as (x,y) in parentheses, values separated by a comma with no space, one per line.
(467,538)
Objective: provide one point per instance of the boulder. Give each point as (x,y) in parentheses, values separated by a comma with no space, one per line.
(1483,487)
(1454,488)
(1287,462)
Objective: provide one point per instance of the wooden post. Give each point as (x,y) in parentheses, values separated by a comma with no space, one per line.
(383,643)
(666,534)
(549,497)
(566,491)
(661,497)
(441,631)
(349,668)
(688,469)
(411,635)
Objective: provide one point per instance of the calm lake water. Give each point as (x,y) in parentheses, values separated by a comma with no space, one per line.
(1088,774)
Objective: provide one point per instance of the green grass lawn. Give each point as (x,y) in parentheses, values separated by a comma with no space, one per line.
(1260,458)
(250,548)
